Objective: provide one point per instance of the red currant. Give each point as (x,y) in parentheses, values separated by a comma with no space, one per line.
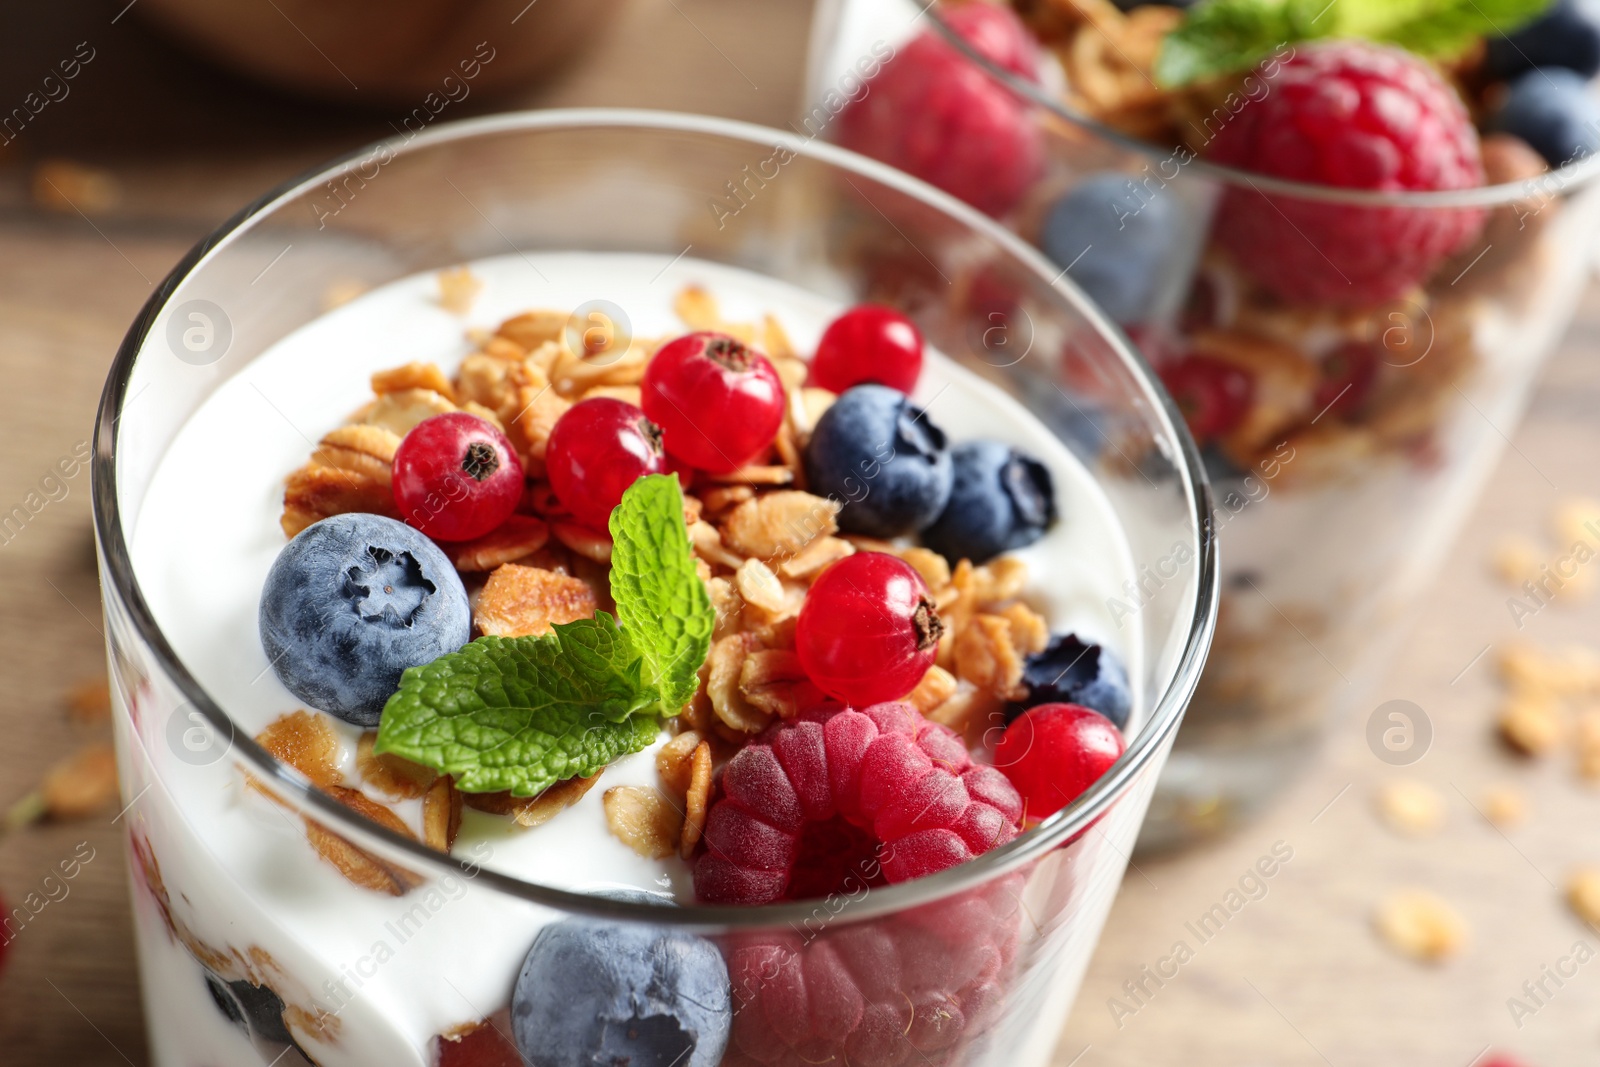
(1348,374)
(868,343)
(1053,752)
(456,477)
(718,401)
(867,630)
(597,449)
(1213,395)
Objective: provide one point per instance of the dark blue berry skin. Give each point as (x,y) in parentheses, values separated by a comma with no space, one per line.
(1117,240)
(1001,499)
(1552,110)
(255,1009)
(1568,35)
(621,994)
(352,602)
(877,454)
(1073,671)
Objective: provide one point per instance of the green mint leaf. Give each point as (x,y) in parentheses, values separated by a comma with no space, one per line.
(1220,37)
(661,602)
(523,713)
(1445,28)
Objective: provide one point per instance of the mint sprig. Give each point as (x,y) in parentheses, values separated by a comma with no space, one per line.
(661,601)
(1223,36)
(520,714)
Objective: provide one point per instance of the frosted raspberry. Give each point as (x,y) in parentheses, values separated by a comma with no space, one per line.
(838,800)
(911,989)
(1359,116)
(935,114)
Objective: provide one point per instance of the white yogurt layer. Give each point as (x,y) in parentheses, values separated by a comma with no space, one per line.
(208,532)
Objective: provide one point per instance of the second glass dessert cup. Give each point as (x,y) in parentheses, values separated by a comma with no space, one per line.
(262,950)
(1350,392)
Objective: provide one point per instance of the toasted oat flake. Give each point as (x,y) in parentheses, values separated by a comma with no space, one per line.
(1530,723)
(812,560)
(305,741)
(1421,925)
(590,544)
(1504,806)
(772,680)
(90,701)
(516,537)
(1411,808)
(1030,633)
(756,475)
(934,568)
(708,545)
(413,375)
(1517,559)
(1575,519)
(986,656)
(724,670)
(441,814)
(1570,670)
(312,494)
(400,412)
(390,775)
(759,586)
(520,601)
(674,762)
(68,187)
(1583,894)
(458,289)
(358,866)
(82,784)
(937,686)
(532,329)
(778,524)
(643,819)
(529,812)
(698,801)
(969,711)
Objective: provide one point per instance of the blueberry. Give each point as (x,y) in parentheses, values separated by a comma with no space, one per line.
(1001,499)
(352,602)
(1552,110)
(255,1009)
(614,994)
(1117,241)
(1073,671)
(1568,35)
(878,455)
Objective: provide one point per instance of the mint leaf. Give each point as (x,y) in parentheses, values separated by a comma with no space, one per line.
(1224,36)
(661,602)
(1445,28)
(523,713)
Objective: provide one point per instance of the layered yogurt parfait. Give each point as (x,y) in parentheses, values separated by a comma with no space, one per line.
(583,656)
(1344,234)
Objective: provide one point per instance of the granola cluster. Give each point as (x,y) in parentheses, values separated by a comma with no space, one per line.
(759,537)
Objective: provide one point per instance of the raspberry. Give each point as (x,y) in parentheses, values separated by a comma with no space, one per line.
(840,800)
(1359,116)
(913,989)
(934,113)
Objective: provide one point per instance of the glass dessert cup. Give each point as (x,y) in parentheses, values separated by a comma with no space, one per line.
(1374,419)
(233,960)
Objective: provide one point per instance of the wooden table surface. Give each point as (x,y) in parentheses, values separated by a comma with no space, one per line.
(1296,977)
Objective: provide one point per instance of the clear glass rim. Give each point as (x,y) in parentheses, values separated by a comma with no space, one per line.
(1552,183)
(1165,714)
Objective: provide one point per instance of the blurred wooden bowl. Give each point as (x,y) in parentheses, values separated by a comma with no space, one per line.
(385,51)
